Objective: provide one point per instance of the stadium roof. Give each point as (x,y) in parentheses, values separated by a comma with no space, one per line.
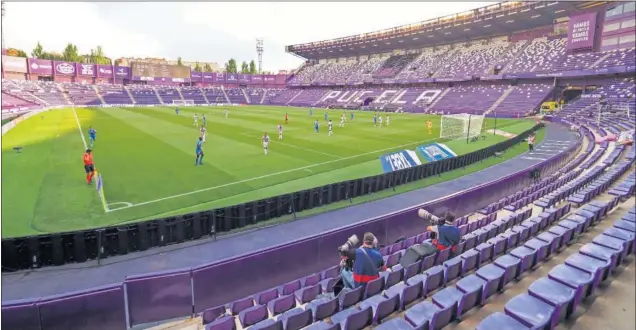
(493,20)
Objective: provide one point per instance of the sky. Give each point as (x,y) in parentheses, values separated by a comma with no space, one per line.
(206,31)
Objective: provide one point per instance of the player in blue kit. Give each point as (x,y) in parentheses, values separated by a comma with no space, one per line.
(351,115)
(203,117)
(375,119)
(176,110)
(311,111)
(316,126)
(326,116)
(92,134)
(199,152)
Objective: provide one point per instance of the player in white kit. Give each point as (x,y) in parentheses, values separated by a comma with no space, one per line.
(380,121)
(330,128)
(202,133)
(280,132)
(196,120)
(342,120)
(388,120)
(265,142)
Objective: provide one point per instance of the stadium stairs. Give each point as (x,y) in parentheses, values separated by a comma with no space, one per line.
(132,98)
(158,95)
(101,98)
(564,254)
(500,99)
(180,95)
(204,96)
(247,98)
(227,98)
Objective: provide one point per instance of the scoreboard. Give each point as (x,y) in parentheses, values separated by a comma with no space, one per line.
(160,70)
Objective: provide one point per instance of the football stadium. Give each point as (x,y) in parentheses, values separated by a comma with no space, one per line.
(471,171)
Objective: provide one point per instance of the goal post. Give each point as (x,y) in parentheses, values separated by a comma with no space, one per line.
(183,102)
(458,126)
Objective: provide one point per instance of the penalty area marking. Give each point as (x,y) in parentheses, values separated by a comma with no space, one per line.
(304,168)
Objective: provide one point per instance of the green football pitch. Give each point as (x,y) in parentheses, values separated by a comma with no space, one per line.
(146,157)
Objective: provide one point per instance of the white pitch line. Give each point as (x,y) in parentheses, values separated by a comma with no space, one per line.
(79,127)
(266,176)
(295,146)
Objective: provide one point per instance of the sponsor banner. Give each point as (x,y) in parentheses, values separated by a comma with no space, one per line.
(195,76)
(244,78)
(399,160)
(270,79)
(581,31)
(122,72)
(219,77)
(207,77)
(436,151)
(104,70)
(571,73)
(62,68)
(231,78)
(85,69)
(257,79)
(280,79)
(14,64)
(40,67)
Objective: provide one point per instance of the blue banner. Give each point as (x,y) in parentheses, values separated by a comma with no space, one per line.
(436,151)
(399,160)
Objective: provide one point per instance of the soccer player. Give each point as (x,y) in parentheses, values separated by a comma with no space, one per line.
(430,127)
(286,117)
(265,142)
(380,121)
(351,115)
(311,111)
(225,113)
(199,152)
(326,116)
(92,135)
(89,167)
(280,132)
(196,120)
(176,110)
(388,120)
(375,119)
(316,125)
(342,120)
(203,117)
(202,136)
(330,128)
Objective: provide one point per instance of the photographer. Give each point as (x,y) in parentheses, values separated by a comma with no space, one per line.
(360,265)
(443,232)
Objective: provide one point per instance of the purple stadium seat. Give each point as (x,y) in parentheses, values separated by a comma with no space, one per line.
(554,241)
(601,253)
(574,278)
(349,298)
(624,235)
(266,296)
(452,269)
(472,287)
(310,280)
(522,231)
(419,280)
(493,276)
(381,306)
(322,308)
(449,299)
(253,315)
(307,293)
(289,288)
(412,269)
(596,267)
(434,278)
(392,278)
(282,304)
(406,293)
(442,256)
(395,324)
(241,305)
(224,323)
(268,324)
(295,319)
(531,311)
(469,259)
(323,326)
(540,246)
(511,265)
(374,287)
(393,259)
(357,320)
(331,272)
(327,284)
(512,239)
(556,294)
(499,245)
(424,316)
(500,321)
(566,234)
(211,314)
(625,225)
(612,243)
(527,256)
(485,253)
(428,262)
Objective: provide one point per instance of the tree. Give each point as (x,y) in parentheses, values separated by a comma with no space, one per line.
(244,67)
(38,51)
(179,62)
(207,67)
(197,67)
(70,53)
(230,66)
(253,67)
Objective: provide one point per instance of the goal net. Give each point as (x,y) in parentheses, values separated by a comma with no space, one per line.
(183,102)
(461,126)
